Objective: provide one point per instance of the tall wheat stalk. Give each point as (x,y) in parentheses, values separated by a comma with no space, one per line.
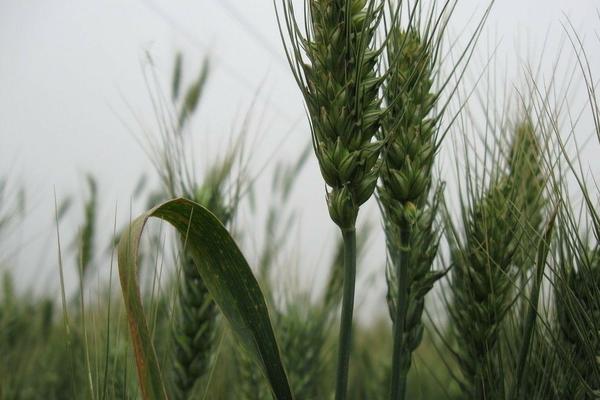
(334,61)
(408,212)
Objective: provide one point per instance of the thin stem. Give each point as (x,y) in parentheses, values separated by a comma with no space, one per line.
(345,343)
(400,365)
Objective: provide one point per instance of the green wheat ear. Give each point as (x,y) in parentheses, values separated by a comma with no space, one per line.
(251,384)
(87,235)
(404,193)
(302,330)
(334,61)
(527,177)
(481,285)
(194,331)
(341,88)
(528,182)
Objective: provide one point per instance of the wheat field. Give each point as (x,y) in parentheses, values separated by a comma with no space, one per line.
(471,198)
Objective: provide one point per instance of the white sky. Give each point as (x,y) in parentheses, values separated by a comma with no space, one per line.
(72,87)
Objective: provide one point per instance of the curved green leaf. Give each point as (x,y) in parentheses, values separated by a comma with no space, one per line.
(226,275)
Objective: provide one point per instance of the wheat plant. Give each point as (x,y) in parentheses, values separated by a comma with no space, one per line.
(404,194)
(340,86)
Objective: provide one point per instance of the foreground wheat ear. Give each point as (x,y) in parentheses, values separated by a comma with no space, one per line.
(227,277)
(334,61)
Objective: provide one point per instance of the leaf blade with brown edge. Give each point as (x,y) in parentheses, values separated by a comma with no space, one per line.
(227,276)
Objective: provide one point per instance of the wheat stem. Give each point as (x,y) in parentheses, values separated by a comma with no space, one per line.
(345,343)
(400,369)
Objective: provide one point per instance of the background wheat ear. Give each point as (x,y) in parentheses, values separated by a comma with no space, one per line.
(87,234)
(527,328)
(194,331)
(195,324)
(251,384)
(303,330)
(481,286)
(528,180)
(195,327)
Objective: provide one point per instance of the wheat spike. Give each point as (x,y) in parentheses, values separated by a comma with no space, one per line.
(406,180)
(341,88)
(481,286)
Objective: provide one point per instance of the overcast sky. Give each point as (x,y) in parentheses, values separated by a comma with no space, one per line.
(73,96)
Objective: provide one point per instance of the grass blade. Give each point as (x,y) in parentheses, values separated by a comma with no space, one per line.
(228,278)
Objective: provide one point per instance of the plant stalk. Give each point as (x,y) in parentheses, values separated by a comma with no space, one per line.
(345,343)
(399,363)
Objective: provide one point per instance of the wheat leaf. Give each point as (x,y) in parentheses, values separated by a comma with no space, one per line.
(229,280)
